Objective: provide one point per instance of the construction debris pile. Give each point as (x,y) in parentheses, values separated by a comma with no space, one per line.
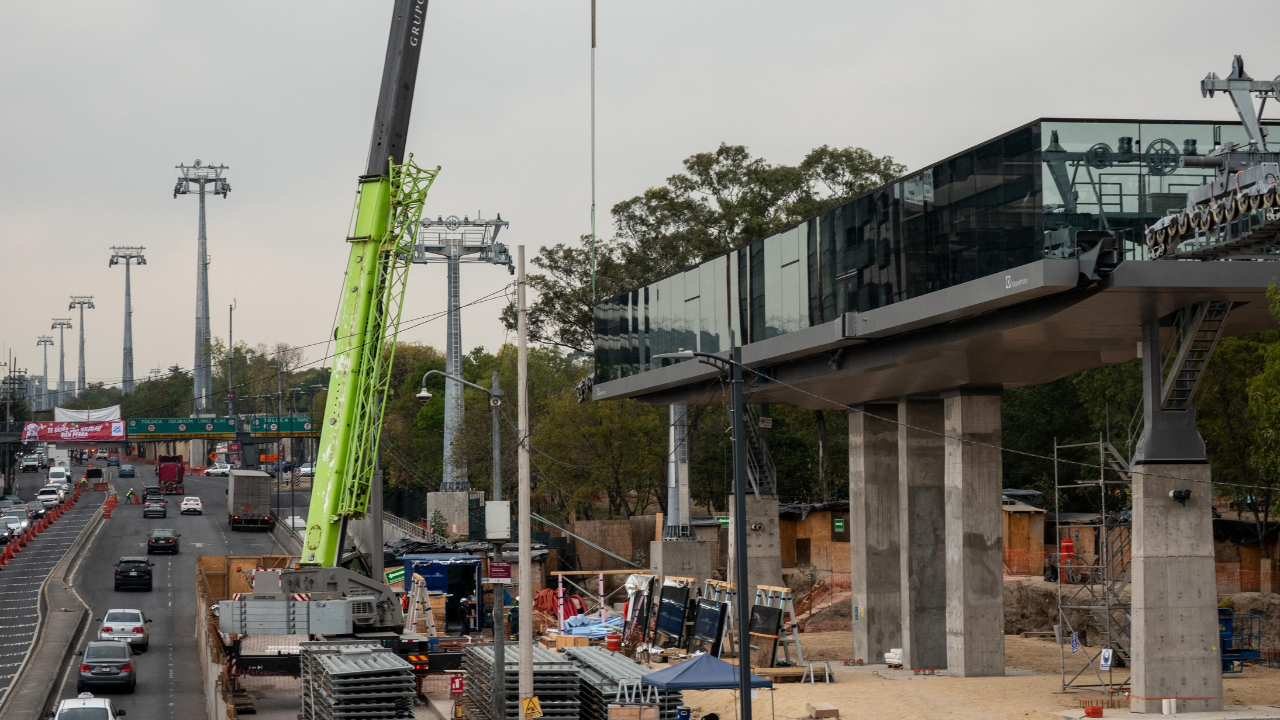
(354,679)
(610,678)
(555,683)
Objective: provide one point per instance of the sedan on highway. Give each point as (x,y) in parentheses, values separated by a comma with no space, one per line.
(222,469)
(87,707)
(113,462)
(155,507)
(125,625)
(192,505)
(126,471)
(107,663)
(134,572)
(162,540)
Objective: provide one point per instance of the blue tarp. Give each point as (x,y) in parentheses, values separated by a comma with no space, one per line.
(704,672)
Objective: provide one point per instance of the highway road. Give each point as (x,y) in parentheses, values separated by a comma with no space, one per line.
(169,683)
(22,578)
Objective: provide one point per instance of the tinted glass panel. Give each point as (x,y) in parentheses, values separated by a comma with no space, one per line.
(106,652)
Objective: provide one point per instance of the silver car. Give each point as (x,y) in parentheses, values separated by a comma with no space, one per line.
(127,625)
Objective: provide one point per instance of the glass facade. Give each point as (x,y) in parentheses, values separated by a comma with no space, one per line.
(1010,201)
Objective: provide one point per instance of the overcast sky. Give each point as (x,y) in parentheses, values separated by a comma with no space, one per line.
(99,101)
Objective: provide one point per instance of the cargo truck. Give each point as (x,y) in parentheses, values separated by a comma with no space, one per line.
(249,500)
(170,472)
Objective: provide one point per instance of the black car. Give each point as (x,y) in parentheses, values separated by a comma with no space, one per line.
(162,540)
(126,471)
(133,572)
(107,663)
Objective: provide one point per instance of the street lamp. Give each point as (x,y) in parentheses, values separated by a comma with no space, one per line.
(499,589)
(733,364)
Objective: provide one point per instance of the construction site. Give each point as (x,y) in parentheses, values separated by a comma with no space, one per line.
(934,589)
(988,555)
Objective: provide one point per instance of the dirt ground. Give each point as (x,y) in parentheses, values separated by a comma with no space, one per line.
(1029,694)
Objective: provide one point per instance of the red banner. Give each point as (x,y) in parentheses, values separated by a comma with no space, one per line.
(109,431)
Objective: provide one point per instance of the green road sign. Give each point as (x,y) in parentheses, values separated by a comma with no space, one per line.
(180,428)
(281,426)
(394,575)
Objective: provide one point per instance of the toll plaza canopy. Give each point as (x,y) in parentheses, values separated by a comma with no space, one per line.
(981,270)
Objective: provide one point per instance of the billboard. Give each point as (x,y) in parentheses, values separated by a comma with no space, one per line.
(110,431)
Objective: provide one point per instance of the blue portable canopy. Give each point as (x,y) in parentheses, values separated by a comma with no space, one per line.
(704,672)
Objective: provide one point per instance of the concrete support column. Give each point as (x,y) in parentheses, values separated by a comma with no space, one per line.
(1175,618)
(873,530)
(975,571)
(922,533)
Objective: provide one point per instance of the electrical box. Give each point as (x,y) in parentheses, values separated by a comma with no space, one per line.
(497,520)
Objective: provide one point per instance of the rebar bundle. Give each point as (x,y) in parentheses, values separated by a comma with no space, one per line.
(555,683)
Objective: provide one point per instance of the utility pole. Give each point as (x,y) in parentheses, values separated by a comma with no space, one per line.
(45,341)
(127,255)
(499,589)
(231,354)
(207,179)
(593,151)
(525,533)
(61,324)
(81,301)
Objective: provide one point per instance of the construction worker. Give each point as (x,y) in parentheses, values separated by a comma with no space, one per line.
(128,496)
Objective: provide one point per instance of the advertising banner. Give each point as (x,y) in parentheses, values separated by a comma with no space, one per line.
(111,431)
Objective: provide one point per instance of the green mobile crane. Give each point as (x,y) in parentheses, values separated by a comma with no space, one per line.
(381,235)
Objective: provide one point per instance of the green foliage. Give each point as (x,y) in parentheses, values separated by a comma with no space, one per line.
(723,199)
(439,524)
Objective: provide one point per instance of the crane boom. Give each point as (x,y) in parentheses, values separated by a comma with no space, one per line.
(388,205)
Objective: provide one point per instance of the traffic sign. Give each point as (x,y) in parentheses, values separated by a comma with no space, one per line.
(284,425)
(1106,659)
(213,456)
(180,428)
(531,707)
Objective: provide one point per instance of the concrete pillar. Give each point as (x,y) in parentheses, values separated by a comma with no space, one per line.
(975,571)
(1175,617)
(764,555)
(873,530)
(922,533)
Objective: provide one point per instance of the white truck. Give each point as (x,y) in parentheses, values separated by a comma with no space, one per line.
(249,500)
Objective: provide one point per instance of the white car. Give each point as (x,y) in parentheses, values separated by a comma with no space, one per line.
(50,496)
(191,505)
(126,625)
(222,469)
(87,707)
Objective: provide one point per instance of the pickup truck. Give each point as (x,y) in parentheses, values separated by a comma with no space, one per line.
(30,464)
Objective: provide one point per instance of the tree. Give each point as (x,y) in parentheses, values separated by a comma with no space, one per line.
(439,524)
(722,200)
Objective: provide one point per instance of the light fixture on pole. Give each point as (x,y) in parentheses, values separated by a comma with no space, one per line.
(733,365)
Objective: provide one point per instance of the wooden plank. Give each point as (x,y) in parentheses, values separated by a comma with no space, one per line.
(636,571)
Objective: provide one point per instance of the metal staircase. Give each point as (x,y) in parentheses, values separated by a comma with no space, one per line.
(1197,329)
(761,472)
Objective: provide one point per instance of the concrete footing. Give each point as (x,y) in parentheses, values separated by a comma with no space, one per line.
(1175,650)
(681,558)
(921,533)
(873,531)
(974,560)
(764,560)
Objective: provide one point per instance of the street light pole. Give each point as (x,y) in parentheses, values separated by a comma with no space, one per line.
(499,589)
(738,408)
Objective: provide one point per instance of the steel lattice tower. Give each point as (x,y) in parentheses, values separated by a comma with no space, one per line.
(45,341)
(61,324)
(81,301)
(453,239)
(207,179)
(127,255)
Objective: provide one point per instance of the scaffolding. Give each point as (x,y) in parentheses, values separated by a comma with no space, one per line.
(1094,577)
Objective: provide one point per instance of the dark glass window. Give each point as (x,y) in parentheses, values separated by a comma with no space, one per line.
(814,268)
(757,292)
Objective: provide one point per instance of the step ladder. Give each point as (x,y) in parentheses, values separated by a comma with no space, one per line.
(419,606)
(780,598)
(727,593)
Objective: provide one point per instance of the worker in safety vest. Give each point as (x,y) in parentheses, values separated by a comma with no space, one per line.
(128,496)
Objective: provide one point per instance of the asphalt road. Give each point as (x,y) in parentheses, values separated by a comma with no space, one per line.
(22,578)
(169,683)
